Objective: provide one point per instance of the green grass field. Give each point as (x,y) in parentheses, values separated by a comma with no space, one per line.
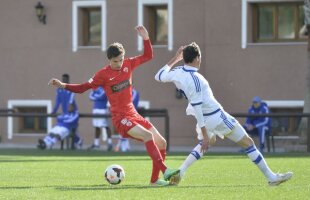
(55,174)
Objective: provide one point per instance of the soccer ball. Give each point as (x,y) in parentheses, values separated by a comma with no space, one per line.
(114,174)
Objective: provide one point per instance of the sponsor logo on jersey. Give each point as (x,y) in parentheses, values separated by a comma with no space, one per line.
(125,69)
(120,86)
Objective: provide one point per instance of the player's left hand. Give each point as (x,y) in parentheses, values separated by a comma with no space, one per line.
(142,32)
(205,145)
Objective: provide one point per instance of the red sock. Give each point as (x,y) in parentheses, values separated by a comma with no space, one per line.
(155,172)
(155,155)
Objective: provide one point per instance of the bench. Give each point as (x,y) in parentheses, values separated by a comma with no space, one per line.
(271,138)
(67,141)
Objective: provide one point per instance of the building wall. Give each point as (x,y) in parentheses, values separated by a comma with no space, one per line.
(32,53)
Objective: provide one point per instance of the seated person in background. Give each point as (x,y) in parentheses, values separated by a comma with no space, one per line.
(63,99)
(258,125)
(123,143)
(65,123)
(100,99)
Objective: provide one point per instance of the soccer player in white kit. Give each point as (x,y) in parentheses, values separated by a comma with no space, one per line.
(211,118)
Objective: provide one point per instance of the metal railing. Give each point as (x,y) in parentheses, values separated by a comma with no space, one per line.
(157,113)
(280,115)
(163,113)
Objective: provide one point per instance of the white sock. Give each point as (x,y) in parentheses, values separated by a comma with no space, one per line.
(104,134)
(124,145)
(109,141)
(259,160)
(191,158)
(49,141)
(97,141)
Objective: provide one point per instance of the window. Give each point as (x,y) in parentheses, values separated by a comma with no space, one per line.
(156,16)
(88,25)
(28,125)
(157,23)
(91,25)
(278,22)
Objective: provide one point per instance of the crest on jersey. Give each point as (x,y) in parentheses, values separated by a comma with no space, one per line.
(125,69)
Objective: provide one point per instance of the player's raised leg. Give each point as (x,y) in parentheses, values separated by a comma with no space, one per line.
(146,136)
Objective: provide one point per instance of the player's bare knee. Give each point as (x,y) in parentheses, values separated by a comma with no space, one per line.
(246,141)
(161,143)
(146,135)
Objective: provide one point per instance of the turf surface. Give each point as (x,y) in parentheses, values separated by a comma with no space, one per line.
(55,174)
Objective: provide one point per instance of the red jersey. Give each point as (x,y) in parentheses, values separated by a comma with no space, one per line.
(117,83)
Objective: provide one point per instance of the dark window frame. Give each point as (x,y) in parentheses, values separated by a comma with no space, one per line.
(275,6)
(37,128)
(85,23)
(151,21)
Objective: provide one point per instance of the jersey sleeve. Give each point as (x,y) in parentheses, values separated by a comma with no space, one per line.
(165,74)
(146,56)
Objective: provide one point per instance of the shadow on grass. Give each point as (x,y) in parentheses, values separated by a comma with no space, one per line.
(119,187)
(127,187)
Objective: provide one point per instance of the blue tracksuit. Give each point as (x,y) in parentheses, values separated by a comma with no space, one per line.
(135,98)
(262,124)
(99,98)
(64,98)
(69,120)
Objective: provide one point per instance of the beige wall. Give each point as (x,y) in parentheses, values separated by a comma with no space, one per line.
(32,53)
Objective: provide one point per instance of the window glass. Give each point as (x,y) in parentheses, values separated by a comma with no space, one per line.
(286,26)
(265,22)
(29,122)
(301,23)
(161,25)
(94,28)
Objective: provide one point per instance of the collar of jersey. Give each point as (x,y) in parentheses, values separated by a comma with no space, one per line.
(188,68)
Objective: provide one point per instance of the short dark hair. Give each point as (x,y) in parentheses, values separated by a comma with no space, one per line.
(190,52)
(115,50)
(65,78)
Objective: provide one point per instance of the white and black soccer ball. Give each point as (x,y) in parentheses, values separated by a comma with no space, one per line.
(114,174)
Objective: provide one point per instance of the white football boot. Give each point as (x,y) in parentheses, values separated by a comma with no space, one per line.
(281,178)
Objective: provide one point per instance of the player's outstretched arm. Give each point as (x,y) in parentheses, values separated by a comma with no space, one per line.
(76,88)
(56,83)
(142,32)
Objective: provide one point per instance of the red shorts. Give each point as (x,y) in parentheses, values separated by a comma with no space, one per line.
(126,122)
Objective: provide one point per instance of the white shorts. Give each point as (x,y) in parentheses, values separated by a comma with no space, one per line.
(223,125)
(100,122)
(61,131)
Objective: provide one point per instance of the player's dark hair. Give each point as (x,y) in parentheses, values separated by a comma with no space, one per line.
(115,50)
(190,52)
(65,78)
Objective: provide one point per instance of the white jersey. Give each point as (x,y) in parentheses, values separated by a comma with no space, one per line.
(202,104)
(194,87)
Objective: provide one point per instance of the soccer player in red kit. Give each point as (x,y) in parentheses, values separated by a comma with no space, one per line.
(116,79)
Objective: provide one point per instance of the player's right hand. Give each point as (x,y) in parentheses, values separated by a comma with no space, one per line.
(56,82)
